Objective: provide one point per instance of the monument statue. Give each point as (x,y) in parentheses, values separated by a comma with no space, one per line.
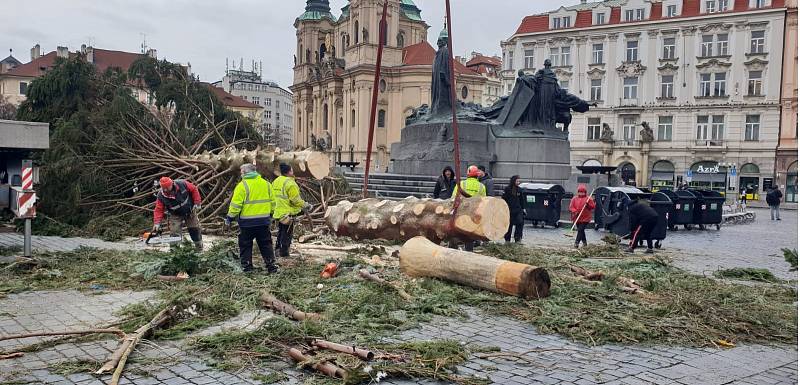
(441,103)
(608,134)
(646,133)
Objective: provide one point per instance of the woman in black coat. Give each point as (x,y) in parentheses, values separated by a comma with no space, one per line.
(516,205)
(445,184)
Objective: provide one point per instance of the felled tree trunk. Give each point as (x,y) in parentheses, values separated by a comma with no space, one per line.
(420,257)
(479,218)
(306,163)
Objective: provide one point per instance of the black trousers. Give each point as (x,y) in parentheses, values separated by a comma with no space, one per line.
(517,225)
(284,239)
(263,238)
(581,237)
(645,233)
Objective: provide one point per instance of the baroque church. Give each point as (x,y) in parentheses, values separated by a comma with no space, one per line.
(334,73)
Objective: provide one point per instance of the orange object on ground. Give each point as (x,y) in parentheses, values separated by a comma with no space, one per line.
(330,270)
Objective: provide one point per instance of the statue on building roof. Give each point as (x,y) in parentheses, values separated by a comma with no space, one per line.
(646,134)
(608,134)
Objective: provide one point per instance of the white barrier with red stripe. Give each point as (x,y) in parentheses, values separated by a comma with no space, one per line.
(25,206)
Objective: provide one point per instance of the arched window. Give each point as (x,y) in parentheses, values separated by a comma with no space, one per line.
(464,92)
(356,31)
(381,118)
(325,116)
(627,172)
(663,166)
(401,40)
(592,163)
(301,54)
(344,42)
(750,169)
(353,117)
(382,85)
(322,51)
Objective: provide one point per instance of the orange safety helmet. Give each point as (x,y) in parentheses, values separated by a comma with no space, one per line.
(166,183)
(473,172)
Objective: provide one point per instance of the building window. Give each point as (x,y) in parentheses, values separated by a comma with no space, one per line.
(593,129)
(632,51)
(628,15)
(672,11)
(401,40)
(268,102)
(510,60)
(667,86)
(759,3)
(596,90)
(356,31)
(562,22)
(529,62)
(564,84)
(269,126)
(722,44)
(464,92)
(630,88)
(707,46)
(597,53)
(599,18)
(634,14)
(565,60)
(244,97)
(554,56)
(382,85)
(256,100)
(705,84)
(381,118)
(629,129)
(752,126)
(754,83)
(710,127)
(669,48)
(720,88)
(719,84)
(23,88)
(352,118)
(277,104)
(757,42)
(278,117)
(664,129)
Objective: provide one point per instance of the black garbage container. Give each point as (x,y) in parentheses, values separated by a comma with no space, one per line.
(682,212)
(542,203)
(708,208)
(611,212)
(663,205)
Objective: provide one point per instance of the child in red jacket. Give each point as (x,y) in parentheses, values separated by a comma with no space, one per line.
(581,207)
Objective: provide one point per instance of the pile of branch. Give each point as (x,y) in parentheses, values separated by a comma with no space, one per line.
(284,308)
(627,285)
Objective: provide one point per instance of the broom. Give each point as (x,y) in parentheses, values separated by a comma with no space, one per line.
(571,232)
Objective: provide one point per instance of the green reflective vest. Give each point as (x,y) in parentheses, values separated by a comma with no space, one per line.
(472,186)
(287,197)
(252,201)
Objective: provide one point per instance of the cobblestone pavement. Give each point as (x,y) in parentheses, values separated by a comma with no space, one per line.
(756,244)
(553,359)
(50,243)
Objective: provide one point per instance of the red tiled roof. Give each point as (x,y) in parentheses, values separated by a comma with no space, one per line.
(423,54)
(480,59)
(103,60)
(230,100)
(541,23)
(584,19)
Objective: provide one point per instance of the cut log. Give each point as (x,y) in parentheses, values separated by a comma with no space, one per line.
(326,368)
(374,278)
(284,308)
(479,218)
(306,163)
(363,354)
(420,257)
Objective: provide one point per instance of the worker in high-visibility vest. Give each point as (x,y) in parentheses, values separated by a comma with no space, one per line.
(472,186)
(252,206)
(288,204)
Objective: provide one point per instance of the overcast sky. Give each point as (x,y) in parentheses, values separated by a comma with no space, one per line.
(205,32)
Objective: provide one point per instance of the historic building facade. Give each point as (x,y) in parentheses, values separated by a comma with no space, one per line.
(489,67)
(705,76)
(335,68)
(786,155)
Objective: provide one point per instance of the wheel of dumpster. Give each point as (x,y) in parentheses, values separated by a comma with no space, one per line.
(702,227)
(687,226)
(672,228)
(717,226)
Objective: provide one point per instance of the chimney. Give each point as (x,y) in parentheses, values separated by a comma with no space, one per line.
(62,52)
(89,52)
(152,53)
(36,51)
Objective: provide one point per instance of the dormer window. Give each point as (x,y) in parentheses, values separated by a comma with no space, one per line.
(599,18)
(672,11)
(561,22)
(759,3)
(634,14)
(713,6)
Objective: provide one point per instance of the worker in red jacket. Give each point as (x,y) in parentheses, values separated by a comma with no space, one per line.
(181,199)
(581,207)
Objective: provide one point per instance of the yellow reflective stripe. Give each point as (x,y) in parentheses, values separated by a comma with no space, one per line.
(255,216)
(236,205)
(258,201)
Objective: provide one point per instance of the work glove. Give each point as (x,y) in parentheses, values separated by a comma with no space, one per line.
(307,207)
(196,207)
(228,221)
(157,228)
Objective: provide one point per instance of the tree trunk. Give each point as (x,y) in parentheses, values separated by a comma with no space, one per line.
(420,257)
(479,218)
(327,368)
(284,308)
(306,163)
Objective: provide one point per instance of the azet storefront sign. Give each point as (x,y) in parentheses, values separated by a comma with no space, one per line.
(709,175)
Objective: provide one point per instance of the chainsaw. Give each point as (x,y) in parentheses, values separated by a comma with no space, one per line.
(157,238)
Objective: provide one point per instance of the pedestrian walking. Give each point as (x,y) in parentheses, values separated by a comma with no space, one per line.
(774,201)
(470,187)
(581,208)
(487,180)
(643,219)
(445,184)
(251,205)
(516,206)
(288,204)
(181,200)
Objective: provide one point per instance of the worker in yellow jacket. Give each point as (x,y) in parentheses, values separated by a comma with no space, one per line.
(288,204)
(252,205)
(472,186)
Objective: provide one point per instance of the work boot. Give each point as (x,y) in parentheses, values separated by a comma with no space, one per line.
(577,245)
(272,269)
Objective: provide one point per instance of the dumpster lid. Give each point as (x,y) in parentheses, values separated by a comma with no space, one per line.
(630,190)
(542,186)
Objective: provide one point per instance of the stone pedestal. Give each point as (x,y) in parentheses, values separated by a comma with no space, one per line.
(534,159)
